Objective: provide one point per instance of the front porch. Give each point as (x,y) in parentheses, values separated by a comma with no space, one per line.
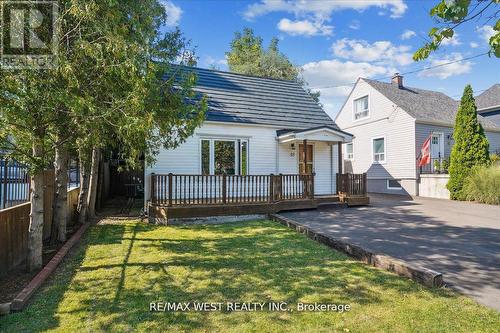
(195,196)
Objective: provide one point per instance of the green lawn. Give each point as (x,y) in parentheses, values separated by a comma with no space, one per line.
(108,281)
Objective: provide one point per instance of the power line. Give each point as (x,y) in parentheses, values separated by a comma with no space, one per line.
(406,73)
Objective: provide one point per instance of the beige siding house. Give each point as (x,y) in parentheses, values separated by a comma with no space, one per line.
(391,121)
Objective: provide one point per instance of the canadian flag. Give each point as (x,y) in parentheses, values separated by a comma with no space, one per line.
(425,153)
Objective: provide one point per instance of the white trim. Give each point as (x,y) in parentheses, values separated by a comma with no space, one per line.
(354,120)
(237,151)
(440,136)
(394,188)
(385,150)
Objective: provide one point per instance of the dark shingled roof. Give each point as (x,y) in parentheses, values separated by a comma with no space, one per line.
(489,98)
(254,100)
(423,105)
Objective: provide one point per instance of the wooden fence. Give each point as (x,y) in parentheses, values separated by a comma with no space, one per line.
(351,184)
(174,190)
(14,225)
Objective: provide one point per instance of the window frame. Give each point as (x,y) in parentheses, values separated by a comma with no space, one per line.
(238,144)
(347,153)
(354,108)
(400,188)
(373,150)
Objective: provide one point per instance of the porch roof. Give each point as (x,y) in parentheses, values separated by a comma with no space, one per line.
(320,133)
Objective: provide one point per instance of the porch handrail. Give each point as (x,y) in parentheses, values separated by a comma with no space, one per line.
(351,184)
(185,189)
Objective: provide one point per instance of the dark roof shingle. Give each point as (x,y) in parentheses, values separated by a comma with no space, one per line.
(489,98)
(254,100)
(423,105)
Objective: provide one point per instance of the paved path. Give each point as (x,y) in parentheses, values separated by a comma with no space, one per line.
(460,240)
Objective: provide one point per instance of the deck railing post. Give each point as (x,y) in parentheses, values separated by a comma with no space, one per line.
(170,176)
(271,187)
(365,184)
(280,187)
(224,189)
(312,186)
(152,186)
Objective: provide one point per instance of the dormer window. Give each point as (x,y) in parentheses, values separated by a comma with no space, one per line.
(361,108)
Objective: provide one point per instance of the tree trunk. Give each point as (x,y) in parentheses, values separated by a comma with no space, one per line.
(60,217)
(35,233)
(82,207)
(94,174)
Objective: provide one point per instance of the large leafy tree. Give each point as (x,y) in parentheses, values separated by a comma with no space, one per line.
(248,56)
(452,14)
(470,148)
(108,91)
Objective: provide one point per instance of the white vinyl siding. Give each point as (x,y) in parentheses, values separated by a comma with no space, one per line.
(386,120)
(265,155)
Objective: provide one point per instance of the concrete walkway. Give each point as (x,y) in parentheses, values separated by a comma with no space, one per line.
(459,239)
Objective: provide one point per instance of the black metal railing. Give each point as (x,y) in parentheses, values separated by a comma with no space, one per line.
(436,166)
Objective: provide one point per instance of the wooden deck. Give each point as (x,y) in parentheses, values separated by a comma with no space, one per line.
(192,196)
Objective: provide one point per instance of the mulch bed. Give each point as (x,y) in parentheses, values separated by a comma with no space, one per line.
(18,278)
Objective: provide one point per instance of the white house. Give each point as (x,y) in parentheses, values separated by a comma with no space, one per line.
(390,122)
(254,126)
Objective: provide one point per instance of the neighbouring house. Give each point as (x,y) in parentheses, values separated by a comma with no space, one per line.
(263,141)
(390,122)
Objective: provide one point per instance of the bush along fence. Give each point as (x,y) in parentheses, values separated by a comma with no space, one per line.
(14,223)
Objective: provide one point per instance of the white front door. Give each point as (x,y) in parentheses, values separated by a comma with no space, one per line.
(437,146)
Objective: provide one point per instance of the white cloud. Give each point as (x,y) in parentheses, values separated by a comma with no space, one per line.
(321,9)
(474,45)
(213,61)
(174,13)
(453,41)
(383,52)
(355,25)
(453,69)
(326,73)
(485,32)
(407,34)
(304,27)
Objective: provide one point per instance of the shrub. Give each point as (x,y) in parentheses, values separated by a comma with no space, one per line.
(471,146)
(483,185)
(495,159)
(445,165)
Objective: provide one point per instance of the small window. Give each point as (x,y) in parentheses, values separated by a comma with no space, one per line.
(361,108)
(379,150)
(349,151)
(394,184)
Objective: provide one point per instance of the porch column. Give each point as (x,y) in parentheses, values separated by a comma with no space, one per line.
(305,155)
(341,161)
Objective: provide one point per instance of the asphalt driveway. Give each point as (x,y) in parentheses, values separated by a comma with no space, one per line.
(459,239)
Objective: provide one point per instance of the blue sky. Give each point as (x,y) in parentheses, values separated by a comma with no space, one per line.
(337,41)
